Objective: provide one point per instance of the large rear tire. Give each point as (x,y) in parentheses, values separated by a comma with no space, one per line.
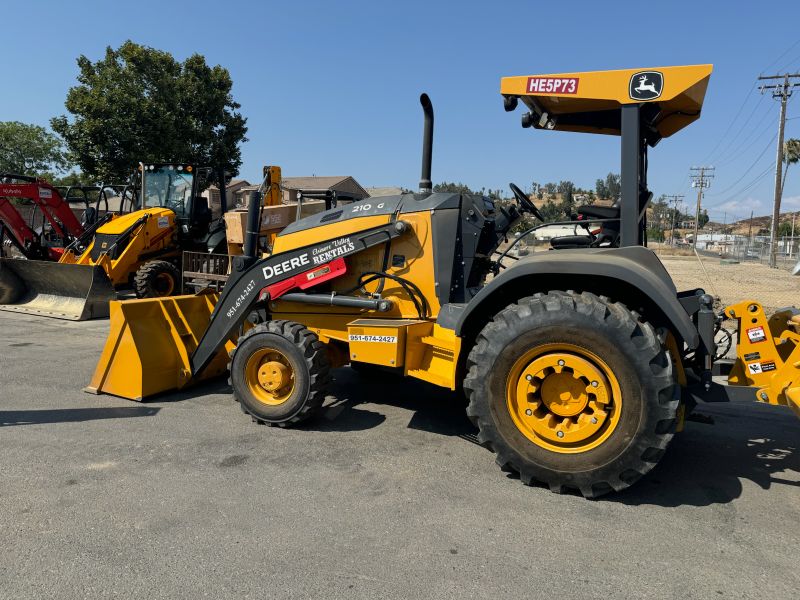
(572,391)
(279,373)
(157,279)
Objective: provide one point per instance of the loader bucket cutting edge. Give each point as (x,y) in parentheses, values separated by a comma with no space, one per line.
(150,343)
(50,289)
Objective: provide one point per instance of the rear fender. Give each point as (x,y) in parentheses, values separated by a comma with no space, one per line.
(632,275)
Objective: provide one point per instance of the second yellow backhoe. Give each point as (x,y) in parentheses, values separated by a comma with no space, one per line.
(139,252)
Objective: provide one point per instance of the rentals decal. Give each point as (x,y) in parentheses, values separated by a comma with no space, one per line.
(45,193)
(646,85)
(316,256)
(553,85)
(163,222)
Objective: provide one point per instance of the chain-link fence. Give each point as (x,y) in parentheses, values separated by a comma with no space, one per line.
(735,272)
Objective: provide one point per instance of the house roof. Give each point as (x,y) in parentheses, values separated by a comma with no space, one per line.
(316,183)
(235,182)
(375,192)
(340,182)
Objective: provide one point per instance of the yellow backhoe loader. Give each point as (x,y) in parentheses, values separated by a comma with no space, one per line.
(579,364)
(140,250)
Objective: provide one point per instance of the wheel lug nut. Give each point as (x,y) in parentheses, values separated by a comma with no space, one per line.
(529,377)
(529,412)
(560,434)
(561,363)
(594,420)
(595,384)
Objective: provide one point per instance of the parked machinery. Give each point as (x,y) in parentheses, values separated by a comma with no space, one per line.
(579,364)
(140,250)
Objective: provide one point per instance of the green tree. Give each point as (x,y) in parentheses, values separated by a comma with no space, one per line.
(791,155)
(600,188)
(456,188)
(140,104)
(30,150)
(613,186)
(785,228)
(655,234)
(703,219)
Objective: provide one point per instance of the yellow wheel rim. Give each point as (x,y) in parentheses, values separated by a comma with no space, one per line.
(269,376)
(563,398)
(164,284)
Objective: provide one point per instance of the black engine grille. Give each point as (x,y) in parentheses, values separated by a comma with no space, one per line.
(104,241)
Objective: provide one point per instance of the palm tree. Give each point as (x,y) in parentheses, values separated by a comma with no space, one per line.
(791,155)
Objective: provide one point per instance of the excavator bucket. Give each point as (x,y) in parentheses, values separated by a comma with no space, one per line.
(50,289)
(150,343)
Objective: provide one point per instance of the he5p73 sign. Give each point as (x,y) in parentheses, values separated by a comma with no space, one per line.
(552,85)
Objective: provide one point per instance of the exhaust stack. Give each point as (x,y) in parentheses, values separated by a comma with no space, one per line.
(425,184)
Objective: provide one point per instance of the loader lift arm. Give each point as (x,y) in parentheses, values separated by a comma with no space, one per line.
(255,281)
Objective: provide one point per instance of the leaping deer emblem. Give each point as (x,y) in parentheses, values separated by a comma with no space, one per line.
(644,86)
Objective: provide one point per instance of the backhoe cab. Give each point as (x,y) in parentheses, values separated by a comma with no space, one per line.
(579,364)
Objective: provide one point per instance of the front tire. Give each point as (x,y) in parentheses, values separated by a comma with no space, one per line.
(279,373)
(157,279)
(572,391)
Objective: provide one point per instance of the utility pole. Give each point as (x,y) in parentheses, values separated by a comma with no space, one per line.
(701,179)
(782,89)
(675,199)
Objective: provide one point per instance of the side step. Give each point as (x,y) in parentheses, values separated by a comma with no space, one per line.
(437,360)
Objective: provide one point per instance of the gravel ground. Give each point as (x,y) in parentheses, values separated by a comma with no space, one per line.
(385,496)
(774,288)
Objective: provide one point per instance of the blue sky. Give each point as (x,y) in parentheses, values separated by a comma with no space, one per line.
(331,88)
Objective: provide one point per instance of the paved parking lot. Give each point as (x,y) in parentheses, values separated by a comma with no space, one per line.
(385,496)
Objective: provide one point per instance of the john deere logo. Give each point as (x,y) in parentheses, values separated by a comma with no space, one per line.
(646,85)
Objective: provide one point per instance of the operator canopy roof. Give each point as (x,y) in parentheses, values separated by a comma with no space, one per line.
(590,102)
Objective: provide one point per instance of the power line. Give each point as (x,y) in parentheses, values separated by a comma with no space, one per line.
(730,125)
(784,53)
(701,179)
(675,199)
(743,189)
(781,90)
(731,154)
(750,168)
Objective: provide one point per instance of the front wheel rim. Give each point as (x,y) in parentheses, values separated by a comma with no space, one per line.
(164,284)
(270,376)
(563,398)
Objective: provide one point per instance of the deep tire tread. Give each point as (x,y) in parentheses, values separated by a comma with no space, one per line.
(316,358)
(146,274)
(646,450)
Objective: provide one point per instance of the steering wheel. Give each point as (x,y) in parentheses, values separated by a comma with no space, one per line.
(525,203)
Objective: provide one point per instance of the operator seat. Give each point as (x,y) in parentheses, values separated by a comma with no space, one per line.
(609,231)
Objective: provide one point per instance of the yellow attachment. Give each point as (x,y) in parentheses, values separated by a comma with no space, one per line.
(150,343)
(767,353)
(563,398)
(269,376)
(596,94)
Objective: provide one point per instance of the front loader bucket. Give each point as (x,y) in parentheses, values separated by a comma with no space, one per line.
(50,289)
(150,343)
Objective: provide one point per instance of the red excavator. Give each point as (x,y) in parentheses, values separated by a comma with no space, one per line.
(59,224)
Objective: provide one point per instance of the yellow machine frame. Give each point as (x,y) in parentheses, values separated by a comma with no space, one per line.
(153,237)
